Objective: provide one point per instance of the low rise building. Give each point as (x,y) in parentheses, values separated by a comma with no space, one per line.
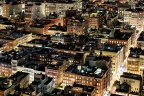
(134,80)
(5,66)
(75,26)
(130,16)
(56,70)
(116,52)
(91,74)
(19,79)
(135,61)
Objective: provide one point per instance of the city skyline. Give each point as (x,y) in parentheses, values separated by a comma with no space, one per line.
(71,48)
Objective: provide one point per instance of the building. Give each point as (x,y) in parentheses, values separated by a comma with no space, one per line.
(93,21)
(55,70)
(60,7)
(134,80)
(61,38)
(47,85)
(12,10)
(70,78)
(54,29)
(14,39)
(116,52)
(29,91)
(28,12)
(90,74)
(135,61)
(134,17)
(122,38)
(5,66)
(75,26)
(19,79)
(135,33)
(123,89)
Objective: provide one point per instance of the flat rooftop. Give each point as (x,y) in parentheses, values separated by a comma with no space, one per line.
(131,76)
(11,34)
(135,10)
(84,87)
(48,80)
(141,37)
(54,65)
(121,35)
(36,65)
(136,52)
(111,47)
(15,78)
(97,58)
(86,71)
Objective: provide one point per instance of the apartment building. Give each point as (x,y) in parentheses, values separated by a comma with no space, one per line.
(135,61)
(30,62)
(116,52)
(121,38)
(90,74)
(12,10)
(29,12)
(18,79)
(60,7)
(94,21)
(12,40)
(133,80)
(78,74)
(55,70)
(57,21)
(54,29)
(36,28)
(5,66)
(134,17)
(121,9)
(75,26)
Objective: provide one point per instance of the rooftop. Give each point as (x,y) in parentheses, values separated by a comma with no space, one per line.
(54,65)
(36,65)
(136,52)
(11,34)
(97,58)
(55,27)
(47,80)
(111,47)
(121,35)
(141,37)
(124,88)
(12,80)
(56,92)
(86,71)
(135,10)
(131,76)
(84,87)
